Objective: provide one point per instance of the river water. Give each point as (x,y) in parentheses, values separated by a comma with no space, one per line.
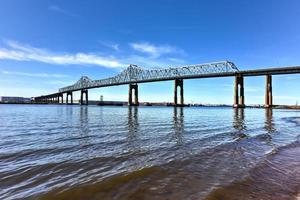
(89,152)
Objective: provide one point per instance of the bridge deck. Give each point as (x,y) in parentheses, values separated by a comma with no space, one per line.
(137,75)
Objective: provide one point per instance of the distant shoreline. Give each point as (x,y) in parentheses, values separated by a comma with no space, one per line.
(146,104)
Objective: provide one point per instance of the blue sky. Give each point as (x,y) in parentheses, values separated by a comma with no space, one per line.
(45,45)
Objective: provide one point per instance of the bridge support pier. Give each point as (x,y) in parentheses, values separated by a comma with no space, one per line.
(71,94)
(268,96)
(178,83)
(239,98)
(61,96)
(136,95)
(86,97)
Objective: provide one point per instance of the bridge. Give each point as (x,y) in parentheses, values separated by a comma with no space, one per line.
(134,75)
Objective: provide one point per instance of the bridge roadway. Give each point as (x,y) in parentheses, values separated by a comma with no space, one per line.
(133,75)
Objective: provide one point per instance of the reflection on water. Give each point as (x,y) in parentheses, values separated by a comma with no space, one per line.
(90,152)
(178,118)
(239,119)
(269,124)
(132,120)
(239,123)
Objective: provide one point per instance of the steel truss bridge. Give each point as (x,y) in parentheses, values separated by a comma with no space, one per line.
(134,74)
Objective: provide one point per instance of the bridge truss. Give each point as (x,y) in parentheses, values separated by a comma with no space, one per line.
(136,74)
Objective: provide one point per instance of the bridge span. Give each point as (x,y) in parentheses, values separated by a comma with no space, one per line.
(134,75)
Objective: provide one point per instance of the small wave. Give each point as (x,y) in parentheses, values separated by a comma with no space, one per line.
(278,178)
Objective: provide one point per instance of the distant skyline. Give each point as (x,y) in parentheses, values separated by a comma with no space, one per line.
(46,45)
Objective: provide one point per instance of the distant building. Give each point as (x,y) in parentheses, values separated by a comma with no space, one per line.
(14,99)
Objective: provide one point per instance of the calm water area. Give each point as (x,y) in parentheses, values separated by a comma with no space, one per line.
(92,152)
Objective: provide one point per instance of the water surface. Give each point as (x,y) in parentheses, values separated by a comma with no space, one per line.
(90,152)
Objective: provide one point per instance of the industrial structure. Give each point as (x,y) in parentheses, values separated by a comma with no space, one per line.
(8,99)
(134,75)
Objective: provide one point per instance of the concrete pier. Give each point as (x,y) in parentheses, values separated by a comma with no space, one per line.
(268,95)
(61,98)
(239,98)
(86,102)
(136,95)
(71,94)
(178,83)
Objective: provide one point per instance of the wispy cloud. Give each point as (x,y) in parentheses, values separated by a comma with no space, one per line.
(17,51)
(62,83)
(152,62)
(155,50)
(40,75)
(111,45)
(60,10)
(21,52)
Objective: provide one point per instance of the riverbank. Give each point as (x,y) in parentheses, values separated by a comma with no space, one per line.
(123,103)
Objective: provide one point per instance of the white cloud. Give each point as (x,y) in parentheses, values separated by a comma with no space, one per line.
(155,50)
(152,62)
(23,52)
(111,45)
(176,60)
(61,83)
(41,75)
(115,47)
(58,9)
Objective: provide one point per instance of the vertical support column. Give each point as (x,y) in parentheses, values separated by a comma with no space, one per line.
(181,93)
(67,98)
(130,95)
(71,98)
(81,97)
(268,96)
(136,95)
(62,98)
(178,83)
(71,94)
(242,97)
(236,92)
(84,92)
(175,92)
(87,97)
(239,98)
(270,91)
